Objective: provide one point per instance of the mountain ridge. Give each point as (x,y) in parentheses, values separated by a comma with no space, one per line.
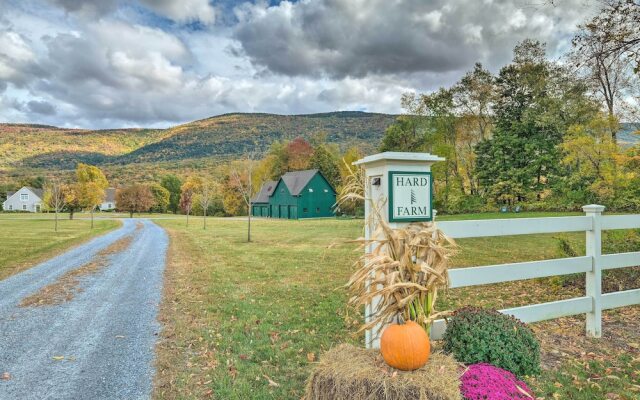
(37,149)
(42,149)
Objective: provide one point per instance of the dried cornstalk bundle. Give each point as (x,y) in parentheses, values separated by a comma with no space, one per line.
(352,189)
(405,267)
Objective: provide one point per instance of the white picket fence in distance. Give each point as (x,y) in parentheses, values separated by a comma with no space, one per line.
(592,264)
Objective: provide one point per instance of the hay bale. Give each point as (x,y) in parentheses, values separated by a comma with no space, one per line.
(351,373)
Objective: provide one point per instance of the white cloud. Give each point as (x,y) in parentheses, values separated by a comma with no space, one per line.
(107,63)
(16,59)
(183,10)
(338,38)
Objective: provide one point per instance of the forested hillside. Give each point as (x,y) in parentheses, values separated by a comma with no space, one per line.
(236,134)
(38,150)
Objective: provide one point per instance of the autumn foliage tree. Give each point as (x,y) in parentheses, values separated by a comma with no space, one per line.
(91,187)
(189,190)
(135,198)
(161,197)
(299,152)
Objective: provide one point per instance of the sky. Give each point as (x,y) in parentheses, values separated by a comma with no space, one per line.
(157,63)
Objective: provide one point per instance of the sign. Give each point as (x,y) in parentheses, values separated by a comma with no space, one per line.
(410,196)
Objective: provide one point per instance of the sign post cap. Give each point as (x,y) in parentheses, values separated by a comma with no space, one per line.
(399,156)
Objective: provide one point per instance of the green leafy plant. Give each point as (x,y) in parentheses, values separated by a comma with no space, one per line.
(476,335)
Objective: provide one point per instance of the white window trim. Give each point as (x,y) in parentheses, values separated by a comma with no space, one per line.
(24,196)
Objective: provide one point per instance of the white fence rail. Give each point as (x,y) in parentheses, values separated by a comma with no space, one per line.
(592,264)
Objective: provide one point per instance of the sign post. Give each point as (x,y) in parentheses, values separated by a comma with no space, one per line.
(401,187)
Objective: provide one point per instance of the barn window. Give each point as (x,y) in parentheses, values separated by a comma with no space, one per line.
(24,196)
(24,207)
(305,210)
(10,207)
(317,209)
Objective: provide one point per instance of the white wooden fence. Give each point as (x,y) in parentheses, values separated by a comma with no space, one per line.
(593,263)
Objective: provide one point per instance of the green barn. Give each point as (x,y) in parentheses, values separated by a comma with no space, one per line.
(296,195)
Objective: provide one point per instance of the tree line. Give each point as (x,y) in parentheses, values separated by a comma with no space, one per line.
(540,132)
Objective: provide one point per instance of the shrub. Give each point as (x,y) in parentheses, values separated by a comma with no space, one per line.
(475,335)
(486,382)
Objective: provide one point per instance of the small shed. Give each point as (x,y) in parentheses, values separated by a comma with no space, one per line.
(297,195)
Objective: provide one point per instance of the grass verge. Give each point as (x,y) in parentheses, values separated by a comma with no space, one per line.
(249,320)
(27,241)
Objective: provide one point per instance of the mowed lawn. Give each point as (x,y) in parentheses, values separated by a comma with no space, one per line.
(26,239)
(248,320)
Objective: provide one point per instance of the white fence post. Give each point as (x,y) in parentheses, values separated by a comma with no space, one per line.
(594,277)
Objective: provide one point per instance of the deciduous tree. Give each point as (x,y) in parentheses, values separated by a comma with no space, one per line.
(91,187)
(172,183)
(206,193)
(241,180)
(55,199)
(161,197)
(135,198)
(326,162)
(188,190)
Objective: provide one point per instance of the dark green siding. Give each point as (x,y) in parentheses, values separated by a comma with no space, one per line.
(316,200)
(282,202)
(319,202)
(260,210)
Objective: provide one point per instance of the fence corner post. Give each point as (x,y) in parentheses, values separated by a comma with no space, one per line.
(593,282)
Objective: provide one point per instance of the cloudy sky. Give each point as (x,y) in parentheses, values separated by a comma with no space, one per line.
(156,63)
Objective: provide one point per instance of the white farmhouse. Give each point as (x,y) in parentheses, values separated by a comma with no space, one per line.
(109,202)
(26,199)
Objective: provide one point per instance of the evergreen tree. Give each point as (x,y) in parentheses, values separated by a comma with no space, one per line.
(325,161)
(173,184)
(537,102)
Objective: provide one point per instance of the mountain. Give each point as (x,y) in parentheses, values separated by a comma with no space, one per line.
(29,150)
(235,134)
(629,134)
(144,154)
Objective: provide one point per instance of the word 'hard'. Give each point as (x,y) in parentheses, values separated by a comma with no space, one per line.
(411,181)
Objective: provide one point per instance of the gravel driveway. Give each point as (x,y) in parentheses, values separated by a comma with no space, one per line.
(100,343)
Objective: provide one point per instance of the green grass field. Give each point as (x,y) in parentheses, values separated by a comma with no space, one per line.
(247,320)
(26,239)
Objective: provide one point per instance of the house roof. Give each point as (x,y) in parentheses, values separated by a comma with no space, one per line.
(265,191)
(37,192)
(110,195)
(297,180)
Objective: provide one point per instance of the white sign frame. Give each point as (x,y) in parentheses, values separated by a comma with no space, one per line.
(428,216)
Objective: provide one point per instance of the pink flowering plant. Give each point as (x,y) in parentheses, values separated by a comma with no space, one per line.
(486,382)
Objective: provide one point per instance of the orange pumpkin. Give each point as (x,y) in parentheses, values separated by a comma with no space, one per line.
(405,346)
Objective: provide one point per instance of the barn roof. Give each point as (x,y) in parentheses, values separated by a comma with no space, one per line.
(265,191)
(297,180)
